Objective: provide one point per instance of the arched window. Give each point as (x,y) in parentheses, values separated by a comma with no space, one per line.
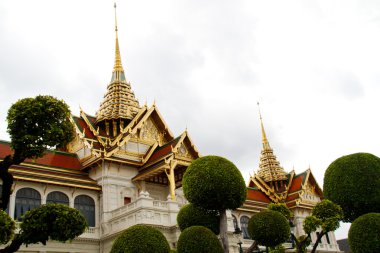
(86,205)
(58,198)
(26,199)
(244,226)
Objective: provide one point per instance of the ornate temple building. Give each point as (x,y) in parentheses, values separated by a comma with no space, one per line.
(271,184)
(125,167)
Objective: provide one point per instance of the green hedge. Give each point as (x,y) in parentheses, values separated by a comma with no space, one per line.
(353,182)
(191,215)
(141,239)
(198,239)
(364,234)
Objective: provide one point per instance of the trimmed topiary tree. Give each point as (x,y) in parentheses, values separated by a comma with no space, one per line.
(141,238)
(34,125)
(197,239)
(51,221)
(192,215)
(269,228)
(364,234)
(353,182)
(7,226)
(215,183)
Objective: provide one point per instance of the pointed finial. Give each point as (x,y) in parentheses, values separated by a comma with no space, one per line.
(264,136)
(118,71)
(114,5)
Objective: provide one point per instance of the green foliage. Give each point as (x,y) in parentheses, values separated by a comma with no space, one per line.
(364,234)
(7,226)
(269,228)
(325,214)
(329,213)
(302,243)
(141,238)
(282,208)
(353,182)
(191,215)
(52,221)
(278,249)
(214,183)
(310,224)
(197,239)
(35,124)
(173,251)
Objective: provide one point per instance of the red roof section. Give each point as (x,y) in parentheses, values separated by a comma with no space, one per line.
(163,151)
(257,195)
(51,158)
(297,183)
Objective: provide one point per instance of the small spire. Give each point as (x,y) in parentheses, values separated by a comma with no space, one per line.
(118,71)
(264,136)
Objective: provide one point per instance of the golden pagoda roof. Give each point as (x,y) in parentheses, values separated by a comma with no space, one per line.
(119,102)
(269,168)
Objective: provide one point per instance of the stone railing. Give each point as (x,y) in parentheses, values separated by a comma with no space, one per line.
(91,233)
(144,210)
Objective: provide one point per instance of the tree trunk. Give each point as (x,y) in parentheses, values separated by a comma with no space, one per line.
(300,245)
(14,246)
(7,181)
(223,231)
(319,238)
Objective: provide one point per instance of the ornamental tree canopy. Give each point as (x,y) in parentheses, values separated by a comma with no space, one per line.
(353,182)
(191,215)
(214,183)
(35,124)
(141,238)
(52,221)
(364,234)
(197,239)
(269,228)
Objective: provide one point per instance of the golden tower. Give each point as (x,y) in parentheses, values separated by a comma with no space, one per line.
(119,105)
(269,167)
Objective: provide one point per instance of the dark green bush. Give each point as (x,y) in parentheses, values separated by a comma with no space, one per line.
(269,228)
(364,234)
(141,239)
(198,239)
(7,227)
(192,215)
(353,182)
(214,183)
(52,221)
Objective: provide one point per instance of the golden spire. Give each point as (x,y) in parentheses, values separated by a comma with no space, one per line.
(118,71)
(269,168)
(119,102)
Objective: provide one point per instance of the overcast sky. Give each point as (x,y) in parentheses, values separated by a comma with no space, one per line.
(312,65)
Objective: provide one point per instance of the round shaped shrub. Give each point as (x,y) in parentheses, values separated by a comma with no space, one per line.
(52,221)
(7,226)
(198,239)
(141,238)
(269,228)
(364,234)
(214,183)
(353,182)
(192,215)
